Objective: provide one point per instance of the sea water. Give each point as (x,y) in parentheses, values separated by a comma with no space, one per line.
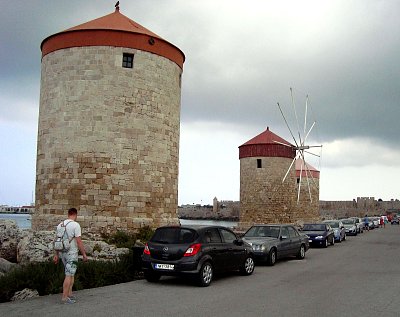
(23,220)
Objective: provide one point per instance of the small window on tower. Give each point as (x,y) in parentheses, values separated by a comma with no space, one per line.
(259,163)
(127,60)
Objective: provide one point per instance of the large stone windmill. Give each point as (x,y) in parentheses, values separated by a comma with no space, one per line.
(108,139)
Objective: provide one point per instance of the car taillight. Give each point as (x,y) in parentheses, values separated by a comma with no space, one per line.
(193,249)
(146,250)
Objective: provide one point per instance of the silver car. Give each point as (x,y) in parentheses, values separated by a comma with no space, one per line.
(272,242)
(359,224)
(338,229)
(350,226)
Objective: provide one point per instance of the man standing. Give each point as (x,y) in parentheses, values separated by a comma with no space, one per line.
(366,222)
(70,257)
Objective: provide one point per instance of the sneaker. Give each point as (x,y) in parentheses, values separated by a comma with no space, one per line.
(68,301)
(72,297)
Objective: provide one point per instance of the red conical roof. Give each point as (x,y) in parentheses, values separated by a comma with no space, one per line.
(267,144)
(305,169)
(114,21)
(267,137)
(114,29)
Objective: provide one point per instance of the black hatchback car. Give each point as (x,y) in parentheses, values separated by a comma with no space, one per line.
(197,251)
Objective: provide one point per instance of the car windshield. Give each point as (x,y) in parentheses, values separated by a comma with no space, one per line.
(333,224)
(174,235)
(314,227)
(262,231)
(348,221)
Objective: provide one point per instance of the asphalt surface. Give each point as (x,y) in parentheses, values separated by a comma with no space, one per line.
(358,277)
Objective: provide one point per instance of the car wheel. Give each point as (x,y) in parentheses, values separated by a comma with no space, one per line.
(333,241)
(248,266)
(272,257)
(206,274)
(302,252)
(151,276)
(326,243)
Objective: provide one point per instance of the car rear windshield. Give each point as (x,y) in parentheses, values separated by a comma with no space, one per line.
(333,224)
(348,221)
(174,235)
(263,231)
(314,227)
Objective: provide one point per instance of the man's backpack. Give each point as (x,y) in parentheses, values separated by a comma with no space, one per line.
(62,242)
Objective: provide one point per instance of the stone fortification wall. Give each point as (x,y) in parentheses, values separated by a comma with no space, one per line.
(358,207)
(225,210)
(108,139)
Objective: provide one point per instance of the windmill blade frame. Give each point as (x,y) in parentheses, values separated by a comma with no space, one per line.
(301,147)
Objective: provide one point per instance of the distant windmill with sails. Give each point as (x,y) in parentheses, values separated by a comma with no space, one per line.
(302,148)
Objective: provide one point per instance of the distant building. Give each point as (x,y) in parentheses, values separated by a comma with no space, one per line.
(17,210)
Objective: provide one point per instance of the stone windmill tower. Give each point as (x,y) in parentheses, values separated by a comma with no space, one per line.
(108,136)
(264,198)
(307,207)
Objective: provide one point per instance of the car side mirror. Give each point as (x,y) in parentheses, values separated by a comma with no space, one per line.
(238,242)
(283,237)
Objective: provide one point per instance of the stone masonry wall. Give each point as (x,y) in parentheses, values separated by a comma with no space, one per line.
(307,209)
(263,196)
(108,139)
(265,199)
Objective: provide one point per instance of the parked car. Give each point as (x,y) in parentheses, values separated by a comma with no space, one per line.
(375,221)
(395,220)
(338,229)
(272,242)
(320,234)
(350,226)
(195,251)
(371,225)
(359,224)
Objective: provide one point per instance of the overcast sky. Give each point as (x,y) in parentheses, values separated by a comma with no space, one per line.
(242,57)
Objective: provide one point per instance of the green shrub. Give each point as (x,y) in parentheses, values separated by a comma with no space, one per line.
(47,278)
(122,239)
(145,233)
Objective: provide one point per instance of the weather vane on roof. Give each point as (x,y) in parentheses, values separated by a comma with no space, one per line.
(117,6)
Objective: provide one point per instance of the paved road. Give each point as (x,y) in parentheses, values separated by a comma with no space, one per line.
(359,277)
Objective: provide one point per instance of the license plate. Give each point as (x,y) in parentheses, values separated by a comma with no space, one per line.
(164,266)
(309,240)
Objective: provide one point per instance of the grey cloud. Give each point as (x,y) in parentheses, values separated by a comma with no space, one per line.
(241,62)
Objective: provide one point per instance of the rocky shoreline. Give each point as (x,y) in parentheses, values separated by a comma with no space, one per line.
(23,246)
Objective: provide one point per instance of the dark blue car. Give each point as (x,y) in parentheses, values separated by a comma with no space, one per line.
(320,234)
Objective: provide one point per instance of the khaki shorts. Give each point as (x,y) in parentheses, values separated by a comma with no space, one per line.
(70,261)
